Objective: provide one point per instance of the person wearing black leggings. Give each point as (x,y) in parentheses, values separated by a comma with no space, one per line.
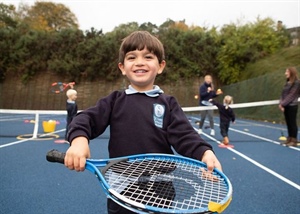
(288,104)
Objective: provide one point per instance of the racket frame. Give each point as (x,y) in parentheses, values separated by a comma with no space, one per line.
(93,166)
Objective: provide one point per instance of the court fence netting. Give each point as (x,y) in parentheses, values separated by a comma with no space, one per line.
(49,124)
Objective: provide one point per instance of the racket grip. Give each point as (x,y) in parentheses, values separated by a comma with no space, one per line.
(55,156)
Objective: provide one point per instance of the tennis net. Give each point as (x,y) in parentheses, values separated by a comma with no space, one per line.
(261,110)
(39,124)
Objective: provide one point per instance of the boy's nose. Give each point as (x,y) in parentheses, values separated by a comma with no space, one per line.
(139,61)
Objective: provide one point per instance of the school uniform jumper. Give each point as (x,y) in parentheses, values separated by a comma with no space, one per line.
(149,122)
(72,109)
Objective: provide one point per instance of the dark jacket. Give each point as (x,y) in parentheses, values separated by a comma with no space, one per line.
(71,111)
(140,124)
(226,114)
(204,95)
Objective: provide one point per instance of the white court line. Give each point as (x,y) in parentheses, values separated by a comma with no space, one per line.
(262,125)
(293,184)
(254,136)
(14,143)
(261,138)
(25,140)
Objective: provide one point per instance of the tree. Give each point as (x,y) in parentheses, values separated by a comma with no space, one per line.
(64,59)
(148,26)
(190,52)
(48,16)
(7,16)
(244,44)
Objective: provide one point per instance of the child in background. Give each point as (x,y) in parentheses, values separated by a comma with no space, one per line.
(71,107)
(226,115)
(142,118)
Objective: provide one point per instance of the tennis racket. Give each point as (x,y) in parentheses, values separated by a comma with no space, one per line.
(159,183)
(58,87)
(206,103)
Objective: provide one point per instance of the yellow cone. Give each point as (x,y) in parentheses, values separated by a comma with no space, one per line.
(283,138)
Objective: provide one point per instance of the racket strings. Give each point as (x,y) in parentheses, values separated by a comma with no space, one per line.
(166,184)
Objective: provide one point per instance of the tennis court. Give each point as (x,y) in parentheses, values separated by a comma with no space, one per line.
(265,175)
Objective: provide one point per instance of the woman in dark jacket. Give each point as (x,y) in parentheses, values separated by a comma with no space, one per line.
(289,104)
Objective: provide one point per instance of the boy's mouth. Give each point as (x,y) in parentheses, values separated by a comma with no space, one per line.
(140,71)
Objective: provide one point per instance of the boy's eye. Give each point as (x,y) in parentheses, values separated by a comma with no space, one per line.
(149,56)
(130,57)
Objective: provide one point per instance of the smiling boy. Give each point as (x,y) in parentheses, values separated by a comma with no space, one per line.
(142,118)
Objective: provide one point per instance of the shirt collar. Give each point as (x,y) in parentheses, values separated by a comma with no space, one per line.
(155,92)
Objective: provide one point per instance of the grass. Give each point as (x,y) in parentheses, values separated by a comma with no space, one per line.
(284,58)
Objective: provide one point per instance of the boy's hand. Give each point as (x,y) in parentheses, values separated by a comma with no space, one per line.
(211,161)
(77,154)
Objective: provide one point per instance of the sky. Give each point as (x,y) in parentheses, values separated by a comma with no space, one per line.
(108,14)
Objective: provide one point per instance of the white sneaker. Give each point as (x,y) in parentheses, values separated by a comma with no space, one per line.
(212,132)
(199,131)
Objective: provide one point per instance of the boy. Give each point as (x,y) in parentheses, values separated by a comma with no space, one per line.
(71,107)
(142,119)
(226,115)
(207,92)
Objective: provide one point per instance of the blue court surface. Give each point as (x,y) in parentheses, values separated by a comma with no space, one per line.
(265,175)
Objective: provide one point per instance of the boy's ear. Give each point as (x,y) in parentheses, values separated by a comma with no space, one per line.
(121,67)
(162,66)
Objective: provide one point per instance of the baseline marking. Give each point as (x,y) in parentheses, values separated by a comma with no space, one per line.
(25,140)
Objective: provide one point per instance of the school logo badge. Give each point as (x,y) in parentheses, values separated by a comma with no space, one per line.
(158,114)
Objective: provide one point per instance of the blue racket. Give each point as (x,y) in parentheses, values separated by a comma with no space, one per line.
(159,183)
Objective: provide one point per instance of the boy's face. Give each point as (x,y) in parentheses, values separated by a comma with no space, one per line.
(141,68)
(73,97)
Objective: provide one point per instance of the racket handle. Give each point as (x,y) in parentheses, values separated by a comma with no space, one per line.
(55,156)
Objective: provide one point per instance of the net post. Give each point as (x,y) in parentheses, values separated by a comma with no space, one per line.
(36,126)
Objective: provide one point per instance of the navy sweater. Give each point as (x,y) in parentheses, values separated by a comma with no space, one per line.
(71,110)
(140,124)
(226,115)
(204,94)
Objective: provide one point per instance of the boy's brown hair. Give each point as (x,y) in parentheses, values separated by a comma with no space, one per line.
(138,40)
